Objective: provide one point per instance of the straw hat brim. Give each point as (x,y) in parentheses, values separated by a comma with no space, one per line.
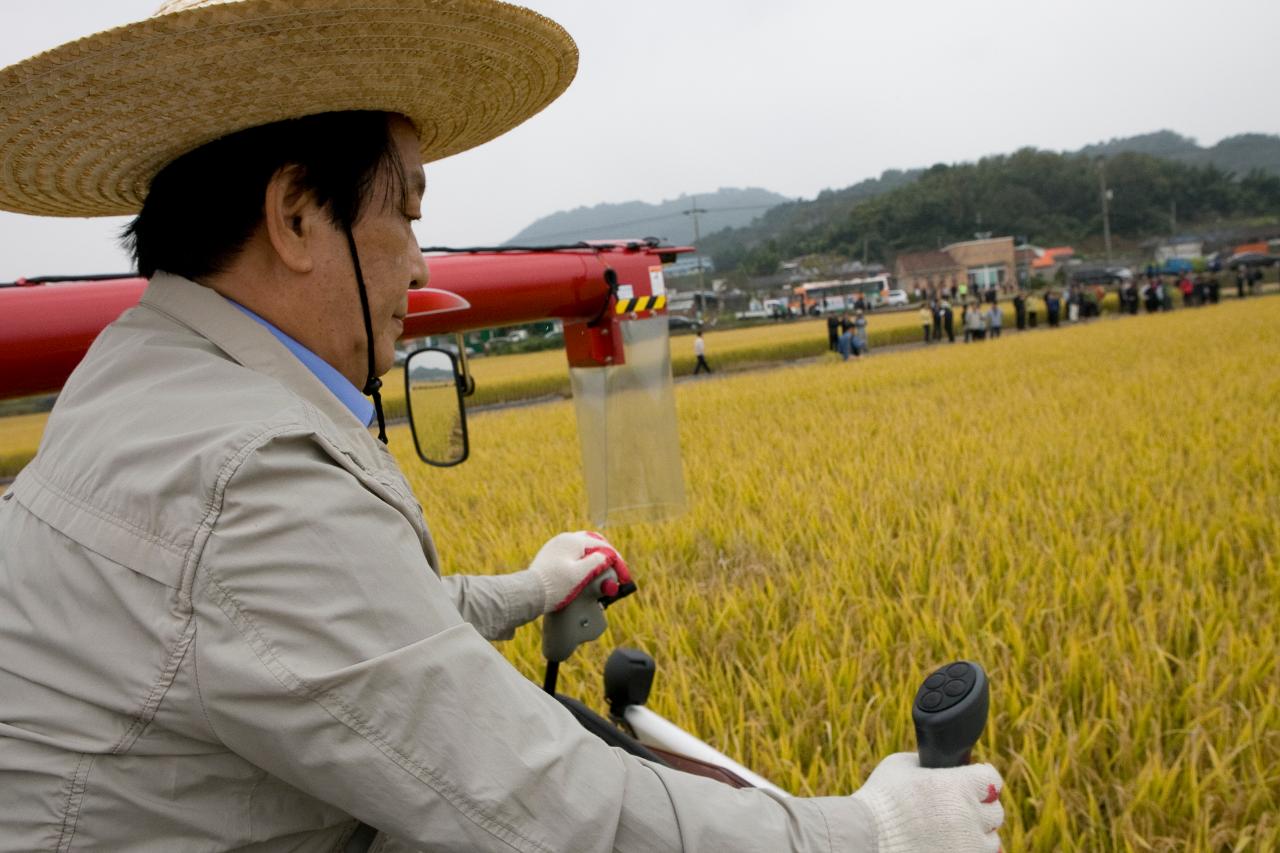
(86,126)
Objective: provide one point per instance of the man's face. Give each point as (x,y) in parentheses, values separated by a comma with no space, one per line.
(390,258)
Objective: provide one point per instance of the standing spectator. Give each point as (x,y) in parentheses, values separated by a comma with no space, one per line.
(1213,289)
(1073,304)
(1052,307)
(944,311)
(936,308)
(1240,281)
(1131,290)
(700,350)
(975,327)
(1191,293)
(844,344)
(926,321)
(833,331)
(991,295)
(1020,309)
(1255,280)
(1151,296)
(845,323)
(859,333)
(995,320)
(1166,296)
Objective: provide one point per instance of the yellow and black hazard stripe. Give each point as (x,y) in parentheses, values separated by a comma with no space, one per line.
(643,303)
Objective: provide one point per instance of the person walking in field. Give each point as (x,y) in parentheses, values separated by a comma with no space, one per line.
(926,321)
(995,320)
(700,352)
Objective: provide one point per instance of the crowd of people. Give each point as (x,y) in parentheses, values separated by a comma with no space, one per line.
(847,334)
(982,318)
(1155,294)
(978,320)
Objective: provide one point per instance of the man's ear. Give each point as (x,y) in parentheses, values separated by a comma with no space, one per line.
(292,219)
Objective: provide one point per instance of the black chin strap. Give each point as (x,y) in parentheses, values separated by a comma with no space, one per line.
(372,385)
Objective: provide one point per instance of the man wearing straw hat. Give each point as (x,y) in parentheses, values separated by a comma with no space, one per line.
(222,626)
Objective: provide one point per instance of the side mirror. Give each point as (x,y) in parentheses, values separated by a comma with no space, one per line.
(433,388)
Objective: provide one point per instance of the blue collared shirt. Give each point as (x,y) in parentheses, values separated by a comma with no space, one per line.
(338,385)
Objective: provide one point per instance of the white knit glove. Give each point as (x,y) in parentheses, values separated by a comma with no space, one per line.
(956,809)
(568,562)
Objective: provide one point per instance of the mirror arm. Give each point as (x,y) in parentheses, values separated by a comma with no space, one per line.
(468,382)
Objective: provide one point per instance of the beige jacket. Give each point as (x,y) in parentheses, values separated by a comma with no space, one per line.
(222,628)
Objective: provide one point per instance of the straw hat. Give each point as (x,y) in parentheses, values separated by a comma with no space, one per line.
(86,126)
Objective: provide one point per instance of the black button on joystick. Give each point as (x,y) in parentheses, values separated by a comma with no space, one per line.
(950,712)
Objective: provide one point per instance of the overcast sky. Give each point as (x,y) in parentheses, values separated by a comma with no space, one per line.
(794,96)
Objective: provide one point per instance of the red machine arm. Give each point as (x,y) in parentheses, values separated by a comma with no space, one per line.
(46,327)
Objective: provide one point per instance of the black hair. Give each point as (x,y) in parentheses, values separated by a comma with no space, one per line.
(202,208)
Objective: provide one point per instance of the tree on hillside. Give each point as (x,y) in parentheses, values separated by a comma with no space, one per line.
(1051,198)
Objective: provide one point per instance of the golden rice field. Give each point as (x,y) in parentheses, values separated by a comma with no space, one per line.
(524,376)
(19,438)
(1092,513)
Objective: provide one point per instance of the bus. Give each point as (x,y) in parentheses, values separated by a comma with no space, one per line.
(826,297)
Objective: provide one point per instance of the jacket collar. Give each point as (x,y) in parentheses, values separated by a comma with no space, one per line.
(248,342)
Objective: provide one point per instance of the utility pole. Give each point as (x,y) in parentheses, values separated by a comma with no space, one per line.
(697,237)
(1106,207)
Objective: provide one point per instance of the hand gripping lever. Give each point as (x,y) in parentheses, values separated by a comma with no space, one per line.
(950,712)
(580,621)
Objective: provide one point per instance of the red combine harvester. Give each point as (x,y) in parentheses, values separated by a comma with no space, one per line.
(611,297)
(48,323)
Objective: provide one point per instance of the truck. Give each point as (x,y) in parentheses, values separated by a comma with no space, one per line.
(768,309)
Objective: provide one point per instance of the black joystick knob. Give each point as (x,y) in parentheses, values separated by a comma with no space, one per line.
(950,712)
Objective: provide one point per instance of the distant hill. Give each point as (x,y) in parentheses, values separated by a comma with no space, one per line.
(1236,154)
(725,208)
(754,228)
(795,221)
(1044,197)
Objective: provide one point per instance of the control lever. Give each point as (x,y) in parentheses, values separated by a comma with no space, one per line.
(950,712)
(580,621)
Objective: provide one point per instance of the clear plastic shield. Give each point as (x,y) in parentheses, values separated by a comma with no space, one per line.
(627,429)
